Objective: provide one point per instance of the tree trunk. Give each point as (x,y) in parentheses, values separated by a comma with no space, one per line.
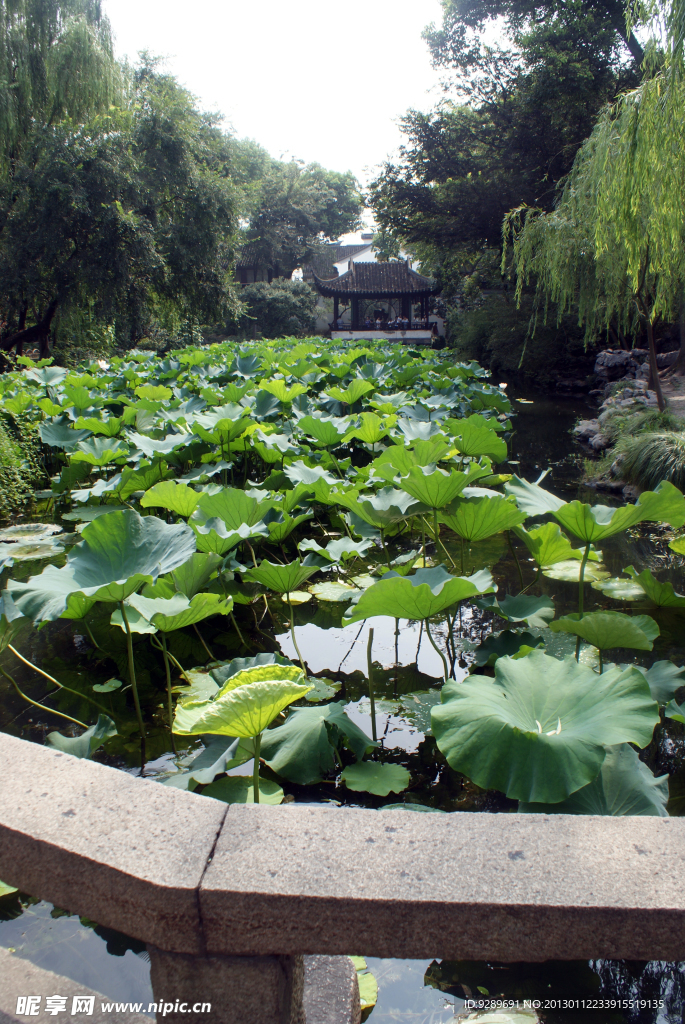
(654,379)
(38,334)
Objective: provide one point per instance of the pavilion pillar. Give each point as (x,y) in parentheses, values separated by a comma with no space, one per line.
(355,312)
(335,311)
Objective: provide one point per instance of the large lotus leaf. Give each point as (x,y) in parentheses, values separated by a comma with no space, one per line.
(532,498)
(610,629)
(239,789)
(178,498)
(153,392)
(428,592)
(177,611)
(326,431)
(539,730)
(137,623)
(677,545)
(570,571)
(300,473)
(356,390)
(194,575)
(536,611)
(303,749)
(478,518)
(281,578)
(620,589)
(245,710)
(340,550)
(473,436)
(415,430)
(50,376)
(505,644)
(86,515)
(231,505)
(624,786)
(118,553)
(371,428)
(223,672)
(279,530)
(88,742)
(281,391)
(26,533)
(385,508)
(213,535)
(141,479)
(676,712)
(436,488)
(59,434)
(334,591)
(665,679)
(110,426)
(661,594)
(99,451)
(665,505)
(374,777)
(548,545)
(151,446)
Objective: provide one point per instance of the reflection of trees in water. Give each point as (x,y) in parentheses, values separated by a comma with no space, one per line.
(645,980)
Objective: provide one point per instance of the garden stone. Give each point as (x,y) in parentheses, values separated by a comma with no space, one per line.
(612,364)
(599,442)
(585,429)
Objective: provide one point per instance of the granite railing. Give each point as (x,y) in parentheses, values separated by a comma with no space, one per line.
(229,899)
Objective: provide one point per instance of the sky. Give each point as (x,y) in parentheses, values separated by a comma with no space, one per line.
(316,81)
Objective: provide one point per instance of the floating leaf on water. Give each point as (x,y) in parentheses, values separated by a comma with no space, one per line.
(610,629)
(89,740)
(505,644)
(322,689)
(91,512)
(108,687)
(238,789)
(334,591)
(375,777)
(536,611)
(30,552)
(296,597)
(570,571)
(28,533)
(619,589)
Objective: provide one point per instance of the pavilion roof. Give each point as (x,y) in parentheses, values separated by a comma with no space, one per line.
(377,280)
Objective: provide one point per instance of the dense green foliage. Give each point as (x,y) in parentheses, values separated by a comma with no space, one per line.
(281,308)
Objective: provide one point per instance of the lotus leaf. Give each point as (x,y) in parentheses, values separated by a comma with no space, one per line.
(110,426)
(153,392)
(238,789)
(213,536)
(109,686)
(539,730)
(87,515)
(620,589)
(299,473)
(428,592)
(475,437)
(610,629)
(296,597)
(281,578)
(337,550)
(334,591)
(661,594)
(548,545)
(118,553)
(246,704)
(178,498)
(137,623)
(151,446)
(303,749)
(383,509)
(536,611)
(281,391)
(88,742)
(99,451)
(664,678)
(532,498)
(436,488)
(665,505)
(376,778)
(231,505)
(50,376)
(177,611)
(194,574)
(59,434)
(570,571)
(231,668)
(279,530)
(371,428)
(678,545)
(476,519)
(356,390)
(413,430)
(505,644)
(675,712)
(624,786)
(327,432)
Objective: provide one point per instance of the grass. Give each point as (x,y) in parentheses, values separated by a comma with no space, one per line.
(651,456)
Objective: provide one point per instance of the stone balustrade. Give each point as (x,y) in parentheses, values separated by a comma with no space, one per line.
(225,893)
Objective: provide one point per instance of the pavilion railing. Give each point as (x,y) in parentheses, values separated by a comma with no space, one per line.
(370,325)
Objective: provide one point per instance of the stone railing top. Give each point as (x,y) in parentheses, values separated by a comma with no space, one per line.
(189,874)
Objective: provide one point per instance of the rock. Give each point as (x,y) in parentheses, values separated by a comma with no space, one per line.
(612,364)
(643,372)
(667,358)
(585,429)
(599,442)
(631,493)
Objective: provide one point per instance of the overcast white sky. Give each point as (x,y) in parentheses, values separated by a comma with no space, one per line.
(318,81)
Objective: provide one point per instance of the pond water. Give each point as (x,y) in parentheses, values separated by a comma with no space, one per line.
(407,670)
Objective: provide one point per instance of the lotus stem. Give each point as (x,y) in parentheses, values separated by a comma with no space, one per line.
(201,639)
(132,670)
(442,656)
(462,556)
(533,582)
(170,701)
(581,594)
(423,540)
(254,560)
(155,642)
(436,532)
(56,681)
(601,661)
(255,770)
(292,633)
(385,548)
(92,639)
(518,564)
(369,672)
(237,629)
(41,706)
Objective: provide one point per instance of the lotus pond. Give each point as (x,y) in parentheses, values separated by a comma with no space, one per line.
(304,571)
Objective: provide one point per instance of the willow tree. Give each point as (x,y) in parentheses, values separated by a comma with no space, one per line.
(615,242)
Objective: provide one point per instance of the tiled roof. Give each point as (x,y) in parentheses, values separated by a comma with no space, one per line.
(323,265)
(249,257)
(374,280)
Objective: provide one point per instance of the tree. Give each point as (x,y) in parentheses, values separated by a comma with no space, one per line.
(131,213)
(296,210)
(615,242)
(277,309)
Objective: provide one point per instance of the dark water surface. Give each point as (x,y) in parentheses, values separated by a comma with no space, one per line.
(410,992)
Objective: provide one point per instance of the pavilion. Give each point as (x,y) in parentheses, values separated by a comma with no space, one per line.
(394,285)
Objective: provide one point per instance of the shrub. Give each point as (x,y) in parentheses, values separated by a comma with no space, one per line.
(280,309)
(648,458)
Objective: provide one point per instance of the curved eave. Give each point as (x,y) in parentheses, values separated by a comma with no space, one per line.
(343,288)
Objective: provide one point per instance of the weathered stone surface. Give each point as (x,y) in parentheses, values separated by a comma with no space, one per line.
(458,886)
(585,429)
(19,977)
(331,990)
(599,442)
(126,852)
(612,364)
(241,989)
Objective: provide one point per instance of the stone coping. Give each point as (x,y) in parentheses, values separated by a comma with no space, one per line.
(188,874)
